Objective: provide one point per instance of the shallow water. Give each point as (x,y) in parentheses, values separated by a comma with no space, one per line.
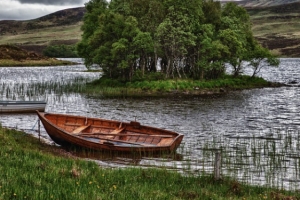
(257,130)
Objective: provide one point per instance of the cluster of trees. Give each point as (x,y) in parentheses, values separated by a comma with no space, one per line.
(60,51)
(193,39)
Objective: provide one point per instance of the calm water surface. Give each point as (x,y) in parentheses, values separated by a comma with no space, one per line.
(257,130)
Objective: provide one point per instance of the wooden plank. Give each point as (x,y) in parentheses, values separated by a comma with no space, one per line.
(118,130)
(73,124)
(100,126)
(124,134)
(79,129)
(165,142)
(92,125)
(122,141)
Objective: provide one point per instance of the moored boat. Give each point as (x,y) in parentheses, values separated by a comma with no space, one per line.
(103,134)
(22,106)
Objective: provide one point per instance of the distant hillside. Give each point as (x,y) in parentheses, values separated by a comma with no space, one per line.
(264,3)
(62,27)
(14,56)
(15,53)
(278,28)
(276,25)
(60,18)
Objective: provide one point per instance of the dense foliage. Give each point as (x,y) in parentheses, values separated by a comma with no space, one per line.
(60,51)
(182,40)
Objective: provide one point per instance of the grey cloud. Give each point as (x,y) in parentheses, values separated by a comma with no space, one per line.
(53,2)
(25,13)
(19,15)
(9,16)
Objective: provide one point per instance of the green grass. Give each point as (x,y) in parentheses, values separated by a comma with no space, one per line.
(142,88)
(44,36)
(43,62)
(31,169)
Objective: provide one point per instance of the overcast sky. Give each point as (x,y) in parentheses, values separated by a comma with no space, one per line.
(31,9)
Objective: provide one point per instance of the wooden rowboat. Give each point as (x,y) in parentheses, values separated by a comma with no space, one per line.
(102,134)
(21,106)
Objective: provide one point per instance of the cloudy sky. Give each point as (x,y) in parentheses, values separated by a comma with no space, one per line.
(31,9)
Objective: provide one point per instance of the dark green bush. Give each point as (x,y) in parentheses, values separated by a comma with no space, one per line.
(61,51)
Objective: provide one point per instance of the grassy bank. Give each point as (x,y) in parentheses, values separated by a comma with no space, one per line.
(43,62)
(33,170)
(11,55)
(183,87)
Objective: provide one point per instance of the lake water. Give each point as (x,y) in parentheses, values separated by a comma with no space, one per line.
(256,130)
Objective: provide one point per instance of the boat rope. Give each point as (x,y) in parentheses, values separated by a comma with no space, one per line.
(34,125)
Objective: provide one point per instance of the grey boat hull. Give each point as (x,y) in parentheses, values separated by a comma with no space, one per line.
(22,106)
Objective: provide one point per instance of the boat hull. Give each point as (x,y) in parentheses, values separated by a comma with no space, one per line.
(101,134)
(22,106)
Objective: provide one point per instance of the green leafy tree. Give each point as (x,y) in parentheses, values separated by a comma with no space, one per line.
(123,50)
(208,54)
(110,30)
(194,39)
(144,45)
(212,12)
(150,13)
(212,53)
(60,51)
(177,37)
(94,9)
(261,57)
(114,45)
(234,32)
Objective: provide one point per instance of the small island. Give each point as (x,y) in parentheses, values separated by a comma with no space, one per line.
(176,88)
(169,53)
(169,59)
(153,84)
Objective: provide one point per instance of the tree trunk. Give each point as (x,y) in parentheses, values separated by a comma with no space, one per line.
(169,65)
(143,65)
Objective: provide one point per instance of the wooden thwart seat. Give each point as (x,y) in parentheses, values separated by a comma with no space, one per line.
(117,130)
(165,142)
(79,129)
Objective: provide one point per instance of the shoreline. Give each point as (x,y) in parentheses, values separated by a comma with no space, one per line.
(155,88)
(34,63)
(192,90)
(51,163)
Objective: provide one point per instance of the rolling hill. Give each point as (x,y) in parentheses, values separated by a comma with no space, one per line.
(62,27)
(276,25)
(278,28)
(264,3)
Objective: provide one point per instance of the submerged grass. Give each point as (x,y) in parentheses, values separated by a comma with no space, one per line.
(23,91)
(34,170)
